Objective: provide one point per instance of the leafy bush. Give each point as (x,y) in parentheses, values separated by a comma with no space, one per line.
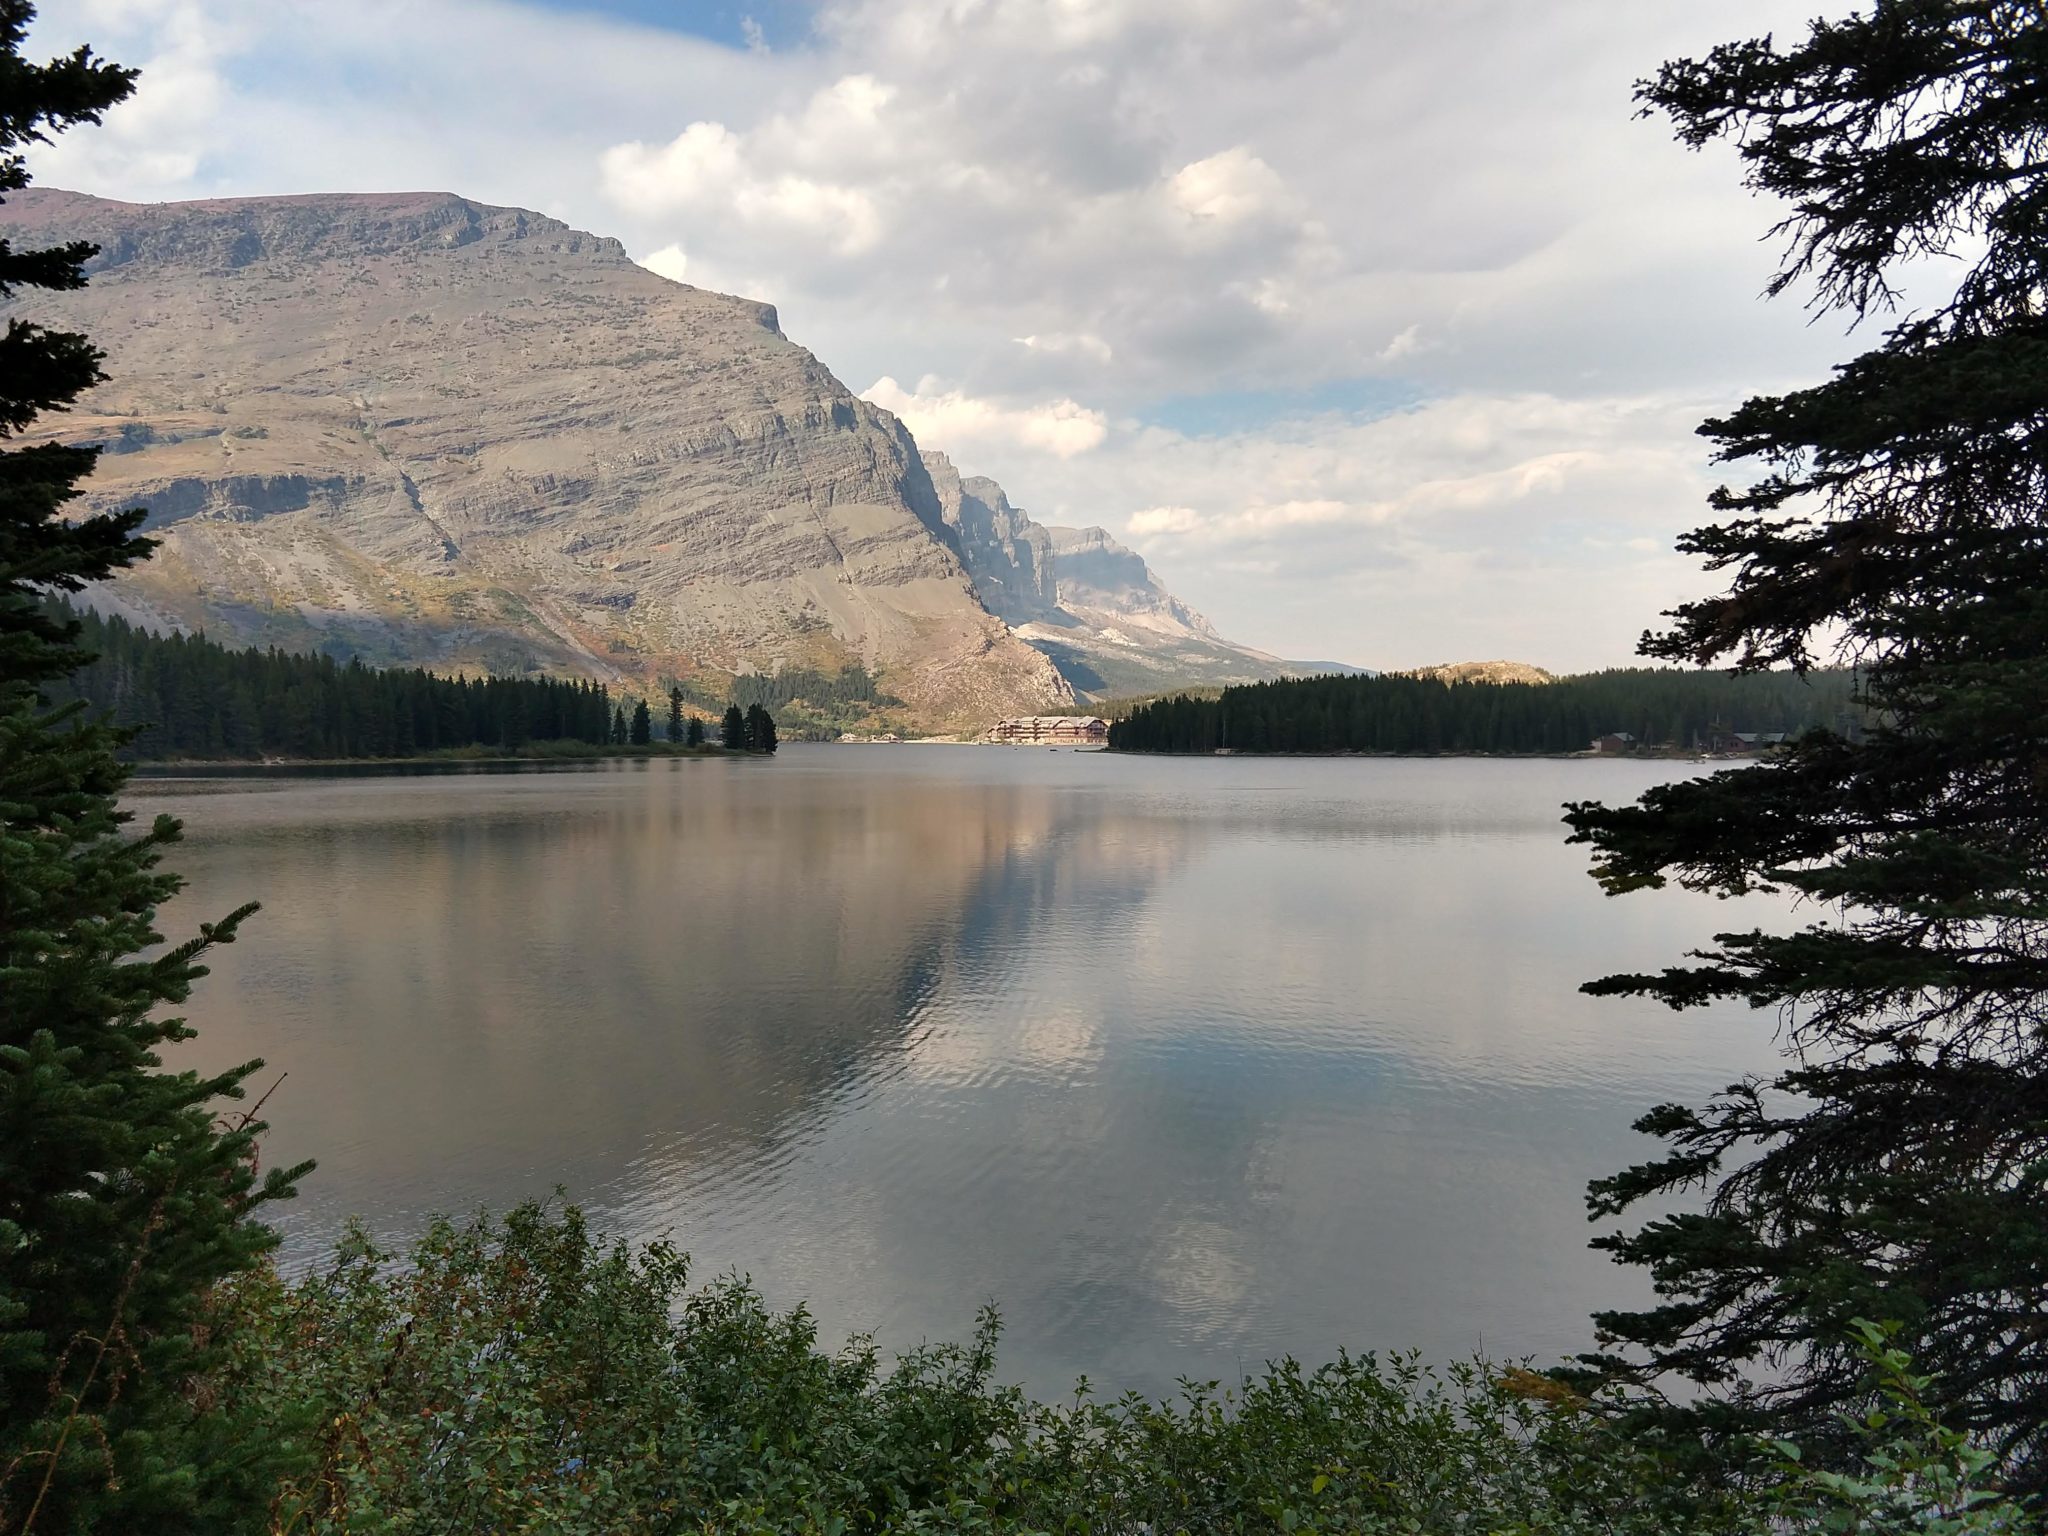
(1918,1478)
(527,1377)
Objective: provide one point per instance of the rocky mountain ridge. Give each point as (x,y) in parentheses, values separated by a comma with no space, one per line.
(424,429)
(1089,603)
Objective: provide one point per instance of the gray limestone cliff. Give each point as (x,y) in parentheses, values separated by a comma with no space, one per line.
(1097,574)
(1009,556)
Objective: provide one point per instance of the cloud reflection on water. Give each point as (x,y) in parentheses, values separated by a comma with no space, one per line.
(1185,1063)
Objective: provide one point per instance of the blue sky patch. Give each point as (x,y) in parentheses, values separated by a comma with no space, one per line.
(1224,412)
(782,23)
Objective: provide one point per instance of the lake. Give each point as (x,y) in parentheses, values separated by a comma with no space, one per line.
(1185,1063)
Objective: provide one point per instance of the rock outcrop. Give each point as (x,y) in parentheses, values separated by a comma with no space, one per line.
(1009,557)
(1091,605)
(423,429)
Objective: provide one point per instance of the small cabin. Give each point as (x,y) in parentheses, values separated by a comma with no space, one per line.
(1051,731)
(1614,742)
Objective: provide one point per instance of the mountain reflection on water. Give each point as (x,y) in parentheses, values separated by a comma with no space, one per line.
(1185,1064)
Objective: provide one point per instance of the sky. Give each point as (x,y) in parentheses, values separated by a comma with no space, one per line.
(1380,327)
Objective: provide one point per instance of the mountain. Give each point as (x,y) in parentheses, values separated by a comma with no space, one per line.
(1091,605)
(419,428)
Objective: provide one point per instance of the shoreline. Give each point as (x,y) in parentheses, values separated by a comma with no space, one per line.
(1505,757)
(458,756)
(466,758)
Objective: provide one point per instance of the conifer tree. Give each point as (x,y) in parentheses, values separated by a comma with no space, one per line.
(1897,1167)
(123,1198)
(693,732)
(732,731)
(618,736)
(642,732)
(675,715)
(760,728)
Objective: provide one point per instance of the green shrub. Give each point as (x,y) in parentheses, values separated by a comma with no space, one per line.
(525,1376)
(1918,1478)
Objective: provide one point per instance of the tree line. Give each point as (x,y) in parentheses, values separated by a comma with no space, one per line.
(188,696)
(185,696)
(1656,706)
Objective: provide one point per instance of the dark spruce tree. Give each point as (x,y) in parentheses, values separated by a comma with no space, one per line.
(1896,1168)
(693,732)
(642,731)
(732,730)
(125,1195)
(675,715)
(618,733)
(760,728)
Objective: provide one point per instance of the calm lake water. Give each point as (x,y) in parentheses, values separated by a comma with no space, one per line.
(1184,1063)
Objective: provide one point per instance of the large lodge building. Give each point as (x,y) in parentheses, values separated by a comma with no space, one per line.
(1051,731)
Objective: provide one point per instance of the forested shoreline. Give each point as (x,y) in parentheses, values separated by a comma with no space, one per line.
(1638,708)
(186,698)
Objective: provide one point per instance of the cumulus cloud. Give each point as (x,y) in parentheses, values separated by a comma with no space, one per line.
(670,262)
(1167,520)
(705,168)
(1231,188)
(941,416)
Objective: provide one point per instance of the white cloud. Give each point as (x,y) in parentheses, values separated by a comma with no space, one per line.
(1406,343)
(1166,520)
(943,417)
(704,169)
(700,163)
(1230,188)
(1059,342)
(669,262)
(155,141)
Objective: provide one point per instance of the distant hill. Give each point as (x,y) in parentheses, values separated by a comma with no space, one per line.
(1486,672)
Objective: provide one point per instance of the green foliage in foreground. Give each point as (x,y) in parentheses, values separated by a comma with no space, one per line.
(1658,706)
(124,1194)
(527,1377)
(1892,517)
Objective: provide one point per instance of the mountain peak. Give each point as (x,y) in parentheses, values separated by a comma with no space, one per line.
(227,233)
